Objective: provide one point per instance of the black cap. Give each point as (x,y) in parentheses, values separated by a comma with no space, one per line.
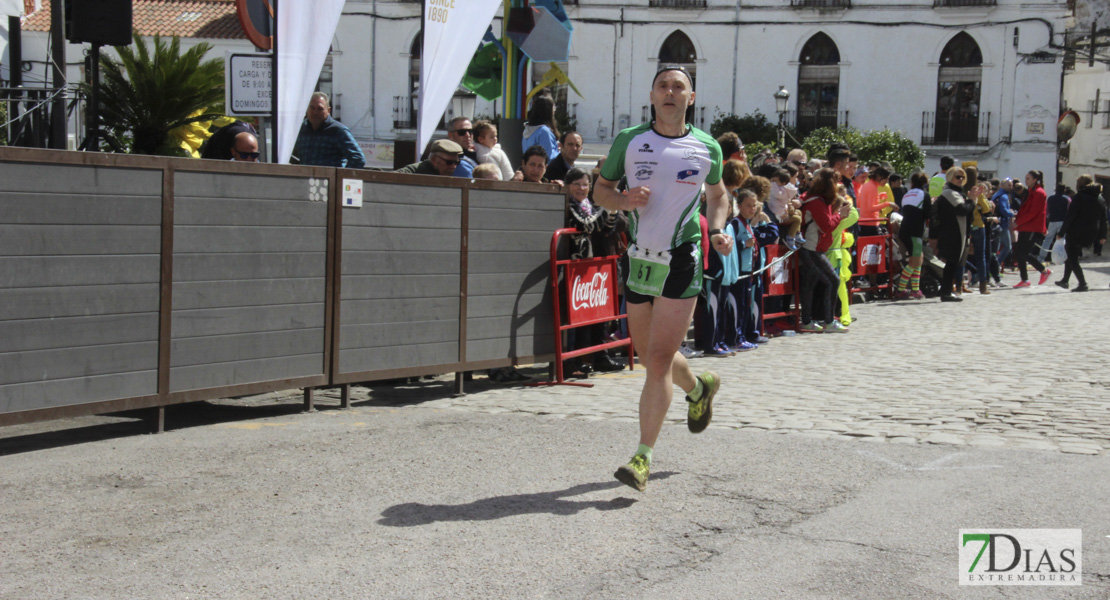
(680,68)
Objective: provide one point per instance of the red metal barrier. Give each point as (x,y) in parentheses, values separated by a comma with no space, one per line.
(591,286)
(781,280)
(874,255)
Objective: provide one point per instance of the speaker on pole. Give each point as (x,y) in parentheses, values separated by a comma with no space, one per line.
(106,22)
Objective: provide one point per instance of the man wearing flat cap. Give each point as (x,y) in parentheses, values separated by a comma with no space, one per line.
(443,157)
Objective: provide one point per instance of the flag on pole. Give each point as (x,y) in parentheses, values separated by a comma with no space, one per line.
(305,30)
(453,29)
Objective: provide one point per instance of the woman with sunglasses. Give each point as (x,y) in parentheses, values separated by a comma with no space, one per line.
(948,229)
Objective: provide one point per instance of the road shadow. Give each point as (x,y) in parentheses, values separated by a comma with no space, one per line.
(413,514)
(58,433)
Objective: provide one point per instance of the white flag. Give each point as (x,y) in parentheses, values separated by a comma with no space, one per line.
(305,29)
(11,8)
(452,31)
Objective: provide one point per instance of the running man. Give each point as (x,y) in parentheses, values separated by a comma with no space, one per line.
(666,163)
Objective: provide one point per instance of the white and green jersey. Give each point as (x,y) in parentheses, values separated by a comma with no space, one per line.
(674,168)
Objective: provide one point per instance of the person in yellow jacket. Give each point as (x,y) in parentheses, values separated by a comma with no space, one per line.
(840,254)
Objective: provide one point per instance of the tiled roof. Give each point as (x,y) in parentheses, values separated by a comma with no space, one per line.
(210,19)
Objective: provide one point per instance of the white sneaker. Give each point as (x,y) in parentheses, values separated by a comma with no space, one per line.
(835,327)
(689,352)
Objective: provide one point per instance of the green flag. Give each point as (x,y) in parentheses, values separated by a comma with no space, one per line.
(483,76)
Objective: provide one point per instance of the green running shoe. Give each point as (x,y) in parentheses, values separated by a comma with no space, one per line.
(635,473)
(700,412)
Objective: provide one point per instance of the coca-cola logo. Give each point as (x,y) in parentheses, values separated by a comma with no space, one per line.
(590,294)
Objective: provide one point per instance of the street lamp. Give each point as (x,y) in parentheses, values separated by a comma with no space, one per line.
(782,100)
(462,104)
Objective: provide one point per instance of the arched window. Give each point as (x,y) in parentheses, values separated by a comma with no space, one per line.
(958,92)
(677,49)
(818,84)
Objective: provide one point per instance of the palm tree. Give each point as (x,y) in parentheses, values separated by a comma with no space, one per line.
(146,94)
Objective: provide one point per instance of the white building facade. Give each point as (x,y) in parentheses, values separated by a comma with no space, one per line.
(977,79)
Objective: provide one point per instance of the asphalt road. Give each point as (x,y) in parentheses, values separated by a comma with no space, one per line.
(837,467)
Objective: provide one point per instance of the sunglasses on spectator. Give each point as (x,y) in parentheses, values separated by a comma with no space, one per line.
(249,155)
(464,131)
(959,178)
(450,161)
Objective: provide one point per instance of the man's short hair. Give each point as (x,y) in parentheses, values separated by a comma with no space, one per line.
(730,143)
(838,155)
(451,124)
(536,150)
(946,162)
(315,95)
(563,136)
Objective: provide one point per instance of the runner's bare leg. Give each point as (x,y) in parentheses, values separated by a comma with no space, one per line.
(658,329)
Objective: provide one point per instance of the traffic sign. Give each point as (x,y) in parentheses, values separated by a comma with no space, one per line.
(248,84)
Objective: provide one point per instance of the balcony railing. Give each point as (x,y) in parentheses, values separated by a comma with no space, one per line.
(957,3)
(821,3)
(404,117)
(676,3)
(805,120)
(948,129)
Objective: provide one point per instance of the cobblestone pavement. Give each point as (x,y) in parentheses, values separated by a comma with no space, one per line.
(1020,368)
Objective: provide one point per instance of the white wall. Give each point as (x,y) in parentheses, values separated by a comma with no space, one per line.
(888,75)
(1090,148)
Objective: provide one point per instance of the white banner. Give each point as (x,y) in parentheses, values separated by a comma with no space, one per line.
(452,31)
(305,29)
(11,8)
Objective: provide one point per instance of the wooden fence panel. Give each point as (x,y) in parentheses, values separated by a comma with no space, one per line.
(79,275)
(249,280)
(399,288)
(508,301)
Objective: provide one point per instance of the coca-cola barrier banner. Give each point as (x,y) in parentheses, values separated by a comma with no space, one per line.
(591,290)
(872,255)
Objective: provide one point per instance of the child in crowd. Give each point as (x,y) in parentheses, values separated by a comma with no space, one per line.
(740,318)
(719,275)
(487,171)
(489,151)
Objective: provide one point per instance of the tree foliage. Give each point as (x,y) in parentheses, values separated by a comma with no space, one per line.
(876,145)
(753,128)
(149,91)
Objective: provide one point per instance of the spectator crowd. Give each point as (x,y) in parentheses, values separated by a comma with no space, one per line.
(950,233)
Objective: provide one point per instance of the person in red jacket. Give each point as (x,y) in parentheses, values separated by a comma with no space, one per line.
(821,213)
(1030,220)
